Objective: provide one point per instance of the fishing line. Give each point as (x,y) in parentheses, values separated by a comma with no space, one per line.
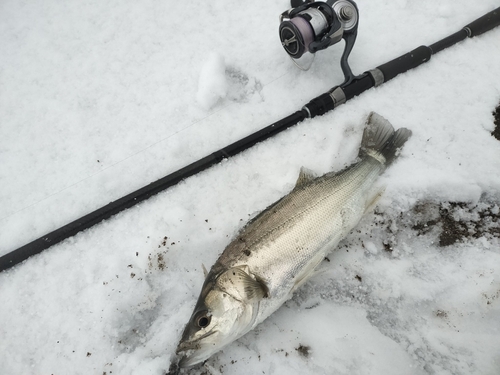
(323,27)
(47,197)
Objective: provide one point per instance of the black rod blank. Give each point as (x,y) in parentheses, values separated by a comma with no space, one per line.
(385,72)
(112,208)
(318,106)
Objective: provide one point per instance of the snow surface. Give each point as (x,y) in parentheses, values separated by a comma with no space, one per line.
(98,99)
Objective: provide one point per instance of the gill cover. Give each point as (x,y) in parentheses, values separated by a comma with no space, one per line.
(226,309)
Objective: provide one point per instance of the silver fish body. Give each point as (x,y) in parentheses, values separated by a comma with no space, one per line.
(280,248)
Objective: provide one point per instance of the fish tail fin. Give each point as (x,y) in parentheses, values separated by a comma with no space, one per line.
(381,141)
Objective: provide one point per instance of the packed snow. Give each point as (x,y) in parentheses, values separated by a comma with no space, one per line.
(98,99)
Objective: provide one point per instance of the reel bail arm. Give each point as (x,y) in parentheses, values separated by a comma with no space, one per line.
(312,26)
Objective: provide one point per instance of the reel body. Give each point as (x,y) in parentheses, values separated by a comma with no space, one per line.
(315,25)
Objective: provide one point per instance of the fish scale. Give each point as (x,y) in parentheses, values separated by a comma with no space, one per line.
(279,249)
(289,251)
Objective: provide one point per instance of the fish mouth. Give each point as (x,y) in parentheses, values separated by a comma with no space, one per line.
(185,361)
(191,359)
(191,352)
(193,345)
(208,334)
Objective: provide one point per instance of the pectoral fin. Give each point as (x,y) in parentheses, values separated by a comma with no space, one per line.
(238,281)
(205,272)
(373,200)
(308,271)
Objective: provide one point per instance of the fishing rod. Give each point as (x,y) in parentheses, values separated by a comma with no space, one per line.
(305,29)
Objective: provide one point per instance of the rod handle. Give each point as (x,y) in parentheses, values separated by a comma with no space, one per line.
(485,23)
(405,62)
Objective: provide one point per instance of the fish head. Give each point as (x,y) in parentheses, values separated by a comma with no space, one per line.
(226,310)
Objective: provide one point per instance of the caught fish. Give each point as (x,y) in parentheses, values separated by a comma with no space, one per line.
(277,251)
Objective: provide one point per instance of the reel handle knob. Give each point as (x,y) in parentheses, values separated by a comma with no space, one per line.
(298,3)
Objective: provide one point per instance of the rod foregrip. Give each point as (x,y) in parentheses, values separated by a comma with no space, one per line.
(485,23)
(405,62)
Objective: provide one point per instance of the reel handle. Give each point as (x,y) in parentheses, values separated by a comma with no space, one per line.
(349,38)
(298,3)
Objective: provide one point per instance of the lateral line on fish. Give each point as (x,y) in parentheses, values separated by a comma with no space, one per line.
(268,233)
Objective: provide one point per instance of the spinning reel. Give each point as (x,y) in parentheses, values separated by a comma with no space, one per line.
(311,26)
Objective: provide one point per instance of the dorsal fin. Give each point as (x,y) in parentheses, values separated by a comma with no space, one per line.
(305,175)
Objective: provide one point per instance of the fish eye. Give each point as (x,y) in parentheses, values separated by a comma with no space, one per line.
(203,318)
(203,321)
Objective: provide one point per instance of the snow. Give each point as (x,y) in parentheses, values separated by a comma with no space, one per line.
(100,99)
(212,85)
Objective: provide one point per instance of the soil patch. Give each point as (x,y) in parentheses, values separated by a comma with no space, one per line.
(496,115)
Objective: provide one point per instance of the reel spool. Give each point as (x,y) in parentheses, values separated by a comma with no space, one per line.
(312,26)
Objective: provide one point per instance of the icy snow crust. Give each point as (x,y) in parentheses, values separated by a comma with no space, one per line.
(99,99)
